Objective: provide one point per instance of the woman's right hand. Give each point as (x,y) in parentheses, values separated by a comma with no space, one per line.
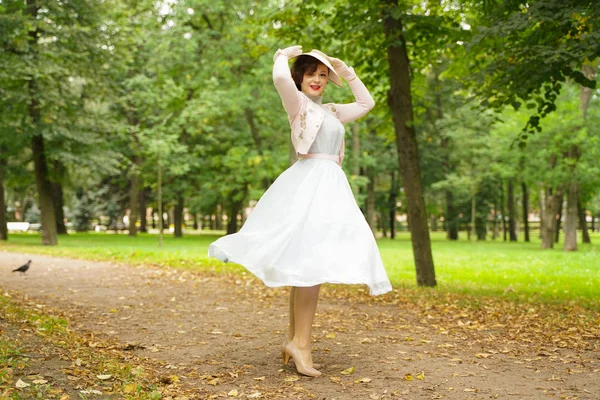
(289,52)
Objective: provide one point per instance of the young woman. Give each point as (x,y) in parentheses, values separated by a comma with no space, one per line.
(307,228)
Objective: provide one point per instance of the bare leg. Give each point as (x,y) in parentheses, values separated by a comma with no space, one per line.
(292,327)
(304,307)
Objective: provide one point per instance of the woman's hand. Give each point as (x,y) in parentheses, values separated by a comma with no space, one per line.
(342,69)
(289,52)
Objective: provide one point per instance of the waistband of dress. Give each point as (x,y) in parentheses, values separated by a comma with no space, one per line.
(331,157)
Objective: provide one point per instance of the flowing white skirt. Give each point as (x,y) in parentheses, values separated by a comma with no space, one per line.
(306,230)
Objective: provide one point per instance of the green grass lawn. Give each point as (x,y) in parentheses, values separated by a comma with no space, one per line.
(493,268)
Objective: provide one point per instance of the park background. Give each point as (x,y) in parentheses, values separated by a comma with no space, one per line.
(485,135)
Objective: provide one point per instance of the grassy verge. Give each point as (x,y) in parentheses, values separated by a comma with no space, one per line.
(67,365)
(494,268)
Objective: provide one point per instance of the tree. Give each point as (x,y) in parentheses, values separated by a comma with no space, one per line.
(557,36)
(400,102)
(49,47)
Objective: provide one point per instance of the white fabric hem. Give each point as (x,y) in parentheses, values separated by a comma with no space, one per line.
(375,289)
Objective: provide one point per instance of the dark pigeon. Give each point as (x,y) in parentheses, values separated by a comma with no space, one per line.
(23,267)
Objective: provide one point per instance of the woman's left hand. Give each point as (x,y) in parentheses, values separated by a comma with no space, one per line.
(342,69)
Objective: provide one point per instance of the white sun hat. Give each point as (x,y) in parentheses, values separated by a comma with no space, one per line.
(324,58)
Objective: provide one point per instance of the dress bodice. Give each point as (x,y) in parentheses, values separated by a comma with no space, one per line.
(329,137)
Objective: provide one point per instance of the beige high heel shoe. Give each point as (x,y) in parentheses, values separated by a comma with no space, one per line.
(290,351)
(315,365)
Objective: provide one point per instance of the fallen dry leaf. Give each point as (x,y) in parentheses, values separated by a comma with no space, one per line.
(348,371)
(21,385)
(214,382)
(363,380)
(130,388)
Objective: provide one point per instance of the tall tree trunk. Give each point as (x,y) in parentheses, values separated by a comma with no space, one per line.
(59,175)
(494,221)
(143,207)
(370,203)
(3,227)
(219,217)
(134,194)
(400,102)
(511,212)
(57,196)
(546,224)
(552,203)
(433,222)
(178,216)
(451,216)
(558,216)
(170,217)
(392,205)
(382,223)
(44,188)
(42,179)
(571,217)
(585,235)
(525,210)
(234,210)
(392,208)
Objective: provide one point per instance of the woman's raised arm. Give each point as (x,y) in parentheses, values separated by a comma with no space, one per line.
(364,102)
(282,78)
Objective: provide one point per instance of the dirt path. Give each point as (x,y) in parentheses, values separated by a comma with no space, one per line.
(223,335)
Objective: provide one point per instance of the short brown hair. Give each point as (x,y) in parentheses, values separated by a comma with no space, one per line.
(303,65)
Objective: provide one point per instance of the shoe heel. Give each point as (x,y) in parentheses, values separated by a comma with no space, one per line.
(286,357)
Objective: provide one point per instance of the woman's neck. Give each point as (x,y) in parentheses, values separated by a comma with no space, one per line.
(316,99)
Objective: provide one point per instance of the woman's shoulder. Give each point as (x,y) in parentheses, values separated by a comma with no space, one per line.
(333,107)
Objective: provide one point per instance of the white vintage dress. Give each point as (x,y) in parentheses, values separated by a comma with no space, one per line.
(307,228)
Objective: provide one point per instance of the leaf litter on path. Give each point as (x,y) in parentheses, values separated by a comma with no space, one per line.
(441,340)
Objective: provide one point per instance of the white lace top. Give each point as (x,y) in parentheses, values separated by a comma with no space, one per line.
(330,134)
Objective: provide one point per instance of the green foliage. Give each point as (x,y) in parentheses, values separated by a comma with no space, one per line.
(82,213)
(555,36)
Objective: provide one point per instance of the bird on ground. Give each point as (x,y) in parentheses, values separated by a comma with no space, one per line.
(23,267)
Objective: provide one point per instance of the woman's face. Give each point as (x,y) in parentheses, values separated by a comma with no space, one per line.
(315,83)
